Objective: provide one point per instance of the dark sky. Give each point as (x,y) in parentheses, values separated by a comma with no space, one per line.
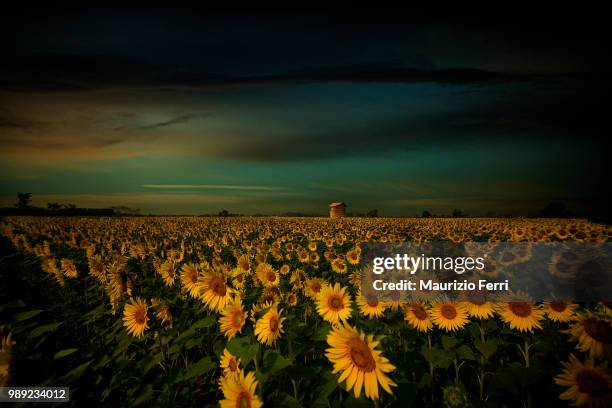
(193,110)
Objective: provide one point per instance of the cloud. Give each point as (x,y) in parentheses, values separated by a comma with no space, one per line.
(48,72)
(170,122)
(212,187)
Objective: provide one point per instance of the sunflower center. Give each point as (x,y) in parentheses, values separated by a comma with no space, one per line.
(218,286)
(361,355)
(238,318)
(335,303)
(139,316)
(600,330)
(233,365)
(521,309)
(271,276)
(419,312)
(243,400)
(316,287)
(274,324)
(194,277)
(449,312)
(373,302)
(592,383)
(558,306)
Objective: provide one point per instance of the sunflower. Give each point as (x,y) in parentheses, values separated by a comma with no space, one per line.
(370,306)
(521,315)
(189,279)
(593,334)
(68,268)
(267,275)
(284,270)
(339,266)
(215,294)
(239,391)
(163,310)
(233,318)
(353,256)
(6,355)
(297,278)
(449,316)
(588,384)
(229,363)
(303,256)
(238,278)
(135,317)
(417,316)
(291,298)
(334,303)
(479,308)
(167,270)
(313,286)
(270,294)
(559,310)
(269,328)
(243,264)
(455,396)
(354,355)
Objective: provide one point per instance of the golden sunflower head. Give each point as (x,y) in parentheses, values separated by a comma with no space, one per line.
(355,356)
(135,317)
(334,303)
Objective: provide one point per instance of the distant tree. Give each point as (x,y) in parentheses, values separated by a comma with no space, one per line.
(457,213)
(553,209)
(372,213)
(426,214)
(224,213)
(54,206)
(23,201)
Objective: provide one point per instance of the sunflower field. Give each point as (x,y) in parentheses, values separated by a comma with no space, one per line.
(264,311)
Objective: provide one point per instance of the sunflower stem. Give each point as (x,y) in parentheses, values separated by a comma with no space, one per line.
(295,389)
(482,364)
(526,355)
(430,362)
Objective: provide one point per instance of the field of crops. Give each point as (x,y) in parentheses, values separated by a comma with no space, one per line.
(249,312)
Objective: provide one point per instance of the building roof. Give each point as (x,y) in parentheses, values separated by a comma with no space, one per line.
(339,204)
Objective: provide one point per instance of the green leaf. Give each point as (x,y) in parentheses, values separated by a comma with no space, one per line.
(64,353)
(144,395)
(425,381)
(448,342)
(242,348)
(321,334)
(465,353)
(328,384)
(25,315)
(285,400)
(74,374)
(486,348)
(40,330)
(274,362)
(12,305)
(201,367)
(208,321)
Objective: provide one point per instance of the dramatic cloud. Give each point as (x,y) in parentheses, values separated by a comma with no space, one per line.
(283,113)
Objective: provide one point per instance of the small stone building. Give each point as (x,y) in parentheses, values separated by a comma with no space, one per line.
(337,210)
